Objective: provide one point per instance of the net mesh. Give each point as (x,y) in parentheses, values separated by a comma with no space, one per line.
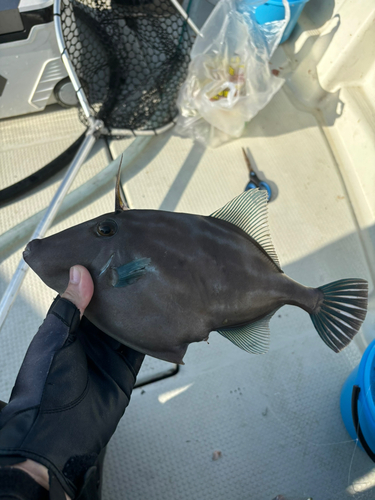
(130,56)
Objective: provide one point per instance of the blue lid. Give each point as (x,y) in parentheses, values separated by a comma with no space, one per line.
(291,2)
(368,362)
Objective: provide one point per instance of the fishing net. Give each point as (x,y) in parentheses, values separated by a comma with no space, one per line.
(130,57)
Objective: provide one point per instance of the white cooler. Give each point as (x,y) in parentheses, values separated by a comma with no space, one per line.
(31,71)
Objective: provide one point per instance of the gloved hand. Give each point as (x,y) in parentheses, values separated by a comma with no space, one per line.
(71,391)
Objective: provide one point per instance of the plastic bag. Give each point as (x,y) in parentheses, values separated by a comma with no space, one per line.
(229,78)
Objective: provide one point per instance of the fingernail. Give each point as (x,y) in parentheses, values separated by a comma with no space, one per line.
(75,275)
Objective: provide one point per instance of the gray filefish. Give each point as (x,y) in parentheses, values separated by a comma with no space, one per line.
(163,280)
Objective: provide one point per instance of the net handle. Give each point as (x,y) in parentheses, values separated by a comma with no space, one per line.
(186,17)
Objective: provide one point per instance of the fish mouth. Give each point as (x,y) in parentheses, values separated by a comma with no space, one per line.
(26,253)
(50,271)
(29,250)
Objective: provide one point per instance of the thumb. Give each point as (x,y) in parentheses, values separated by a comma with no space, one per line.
(80,288)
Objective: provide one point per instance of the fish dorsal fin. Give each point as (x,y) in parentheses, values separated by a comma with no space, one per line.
(254,337)
(249,212)
(120,201)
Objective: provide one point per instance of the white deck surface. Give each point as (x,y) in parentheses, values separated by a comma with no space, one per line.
(275,418)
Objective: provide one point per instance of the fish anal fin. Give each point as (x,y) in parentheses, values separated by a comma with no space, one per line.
(253,337)
(249,212)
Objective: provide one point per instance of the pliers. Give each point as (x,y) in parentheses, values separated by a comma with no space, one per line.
(254,181)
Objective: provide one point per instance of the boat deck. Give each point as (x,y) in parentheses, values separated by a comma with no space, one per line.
(274,419)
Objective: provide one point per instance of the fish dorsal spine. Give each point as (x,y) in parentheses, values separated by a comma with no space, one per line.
(249,212)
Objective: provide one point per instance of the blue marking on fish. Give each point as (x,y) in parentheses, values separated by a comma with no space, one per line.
(131,272)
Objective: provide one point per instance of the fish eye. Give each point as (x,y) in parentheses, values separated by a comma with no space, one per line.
(106,228)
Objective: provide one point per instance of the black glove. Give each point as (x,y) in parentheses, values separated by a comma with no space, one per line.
(71,391)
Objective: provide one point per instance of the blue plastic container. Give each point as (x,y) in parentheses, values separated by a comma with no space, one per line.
(273,10)
(357,402)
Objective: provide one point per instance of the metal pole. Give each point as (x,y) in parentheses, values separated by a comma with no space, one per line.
(18,277)
(186,17)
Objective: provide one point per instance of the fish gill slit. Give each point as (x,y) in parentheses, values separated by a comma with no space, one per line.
(106,265)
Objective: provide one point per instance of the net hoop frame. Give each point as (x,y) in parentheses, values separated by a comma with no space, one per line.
(81,96)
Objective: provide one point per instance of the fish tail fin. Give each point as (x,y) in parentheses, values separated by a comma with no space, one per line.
(341,312)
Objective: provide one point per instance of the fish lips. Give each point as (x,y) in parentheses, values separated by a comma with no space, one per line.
(53,277)
(32,258)
(30,251)
(29,248)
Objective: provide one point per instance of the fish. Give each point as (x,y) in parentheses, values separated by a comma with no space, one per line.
(163,280)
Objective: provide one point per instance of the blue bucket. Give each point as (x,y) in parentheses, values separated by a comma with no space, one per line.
(357,402)
(273,10)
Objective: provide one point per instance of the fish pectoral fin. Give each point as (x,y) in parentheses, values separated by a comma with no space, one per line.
(253,337)
(249,212)
(131,272)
